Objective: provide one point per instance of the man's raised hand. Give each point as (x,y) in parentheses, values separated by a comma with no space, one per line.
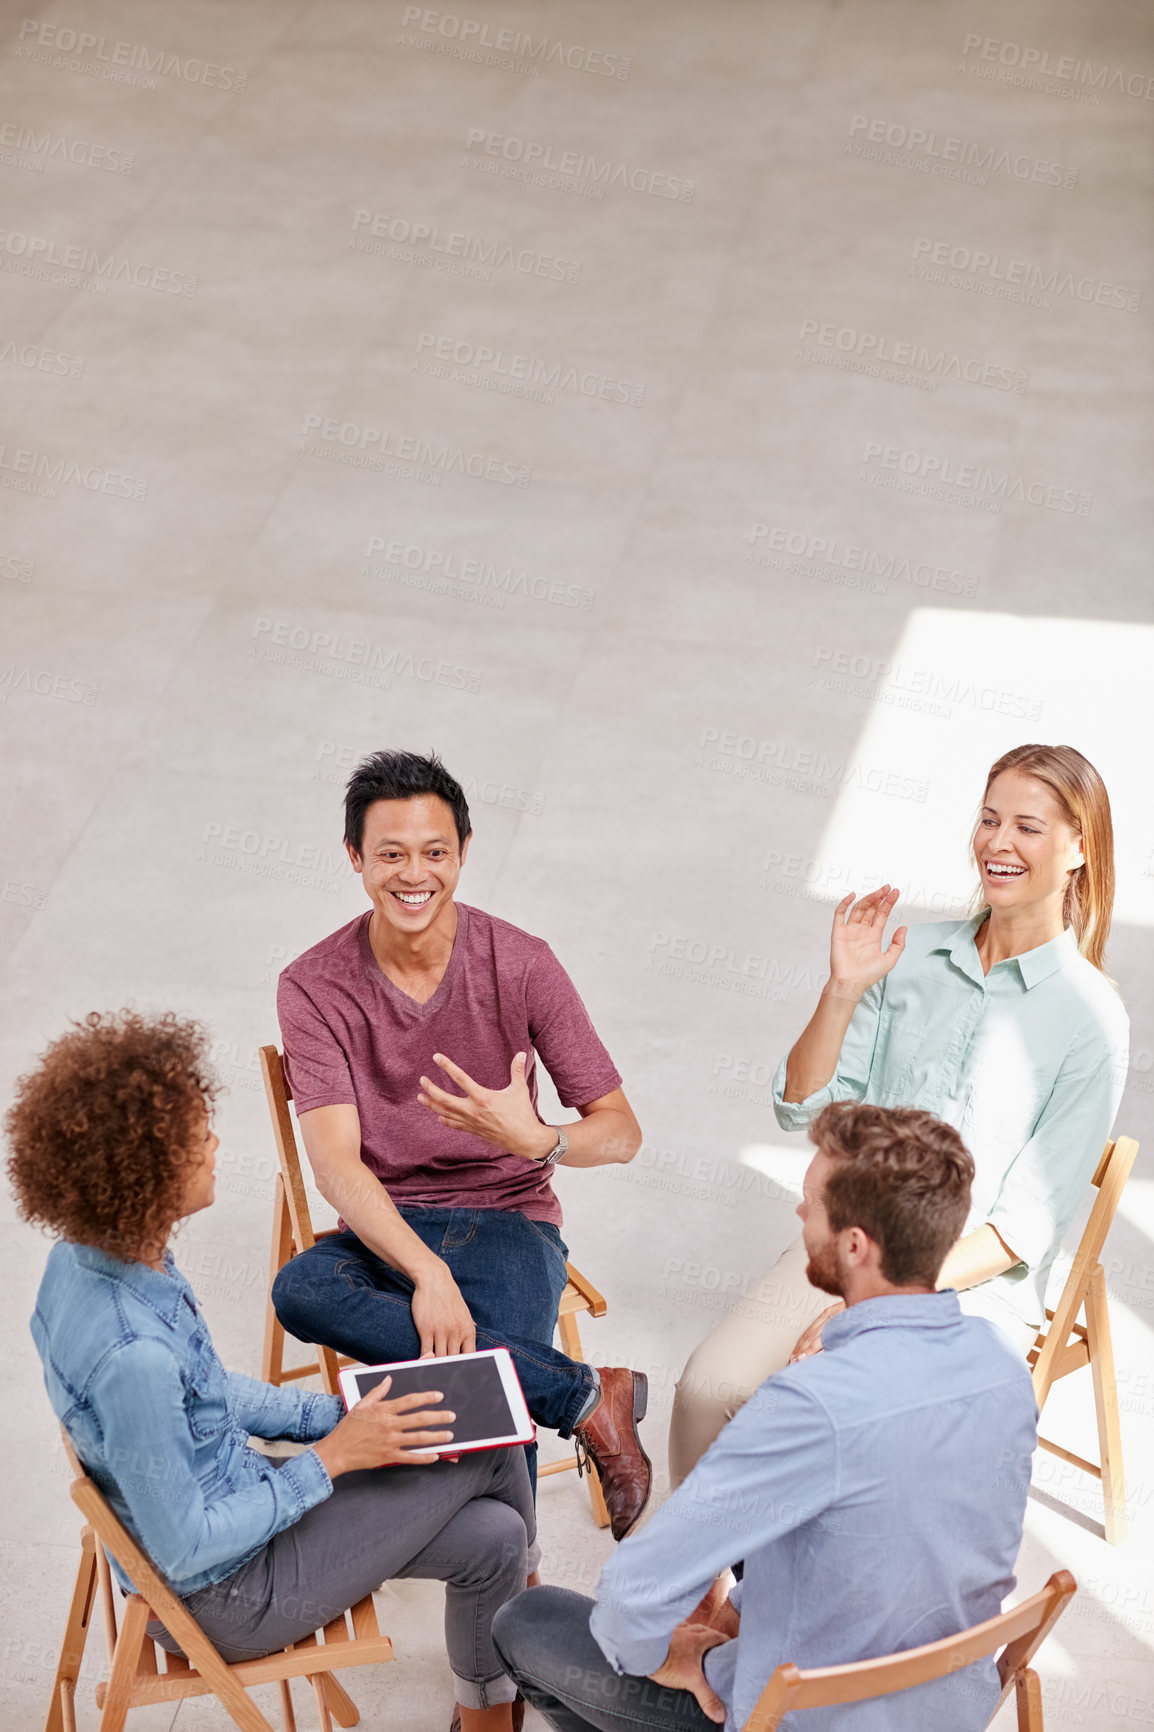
(505,1117)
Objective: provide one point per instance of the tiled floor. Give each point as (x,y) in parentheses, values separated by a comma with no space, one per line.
(587,402)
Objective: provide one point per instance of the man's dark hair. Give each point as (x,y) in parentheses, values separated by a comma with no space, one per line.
(401,776)
(903,1177)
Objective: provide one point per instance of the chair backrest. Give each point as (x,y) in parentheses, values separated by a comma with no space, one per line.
(1110,1178)
(1021,1630)
(278,1094)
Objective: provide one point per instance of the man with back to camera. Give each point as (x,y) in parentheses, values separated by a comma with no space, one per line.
(875,1490)
(449,1235)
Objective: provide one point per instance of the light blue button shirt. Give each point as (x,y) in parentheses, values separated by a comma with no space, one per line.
(876,1493)
(1028,1062)
(159,1423)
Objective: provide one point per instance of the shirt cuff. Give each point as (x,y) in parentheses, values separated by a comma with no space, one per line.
(639,1658)
(1029,1247)
(796,1115)
(306,1103)
(319,1414)
(308,1477)
(572,1098)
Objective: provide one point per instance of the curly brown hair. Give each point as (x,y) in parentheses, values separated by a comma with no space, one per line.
(103,1130)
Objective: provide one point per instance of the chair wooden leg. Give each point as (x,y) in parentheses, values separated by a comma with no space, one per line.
(272,1356)
(341,1705)
(217,1677)
(570,1337)
(324,1718)
(571,1344)
(107,1599)
(133,1635)
(329,1365)
(1106,1406)
(61,1713)
(1029,1694)
(286,1707)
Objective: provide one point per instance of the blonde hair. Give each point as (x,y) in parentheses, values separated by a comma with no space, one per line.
(1085,805)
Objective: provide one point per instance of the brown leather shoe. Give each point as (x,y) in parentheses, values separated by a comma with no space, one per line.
(518,1715)
(609,1437)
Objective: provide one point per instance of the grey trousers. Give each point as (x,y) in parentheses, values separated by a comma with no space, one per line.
(469,1524)
(543,1637)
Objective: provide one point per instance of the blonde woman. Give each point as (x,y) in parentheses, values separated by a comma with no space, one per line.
(1003,1025)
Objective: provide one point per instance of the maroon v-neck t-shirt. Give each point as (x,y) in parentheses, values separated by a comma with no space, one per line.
(352,1037)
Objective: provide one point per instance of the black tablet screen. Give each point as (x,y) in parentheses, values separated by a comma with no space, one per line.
(471,1388)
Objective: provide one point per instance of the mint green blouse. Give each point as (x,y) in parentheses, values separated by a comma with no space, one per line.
(1028,1062)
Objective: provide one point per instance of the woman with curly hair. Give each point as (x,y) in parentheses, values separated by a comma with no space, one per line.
(112,1145)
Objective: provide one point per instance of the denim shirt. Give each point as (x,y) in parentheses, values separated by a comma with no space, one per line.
(161,1426)
(876,1492)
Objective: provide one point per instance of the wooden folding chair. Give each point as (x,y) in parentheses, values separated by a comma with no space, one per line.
(136,1678)
(1022,1630)
(292,1232)
(1066,1345)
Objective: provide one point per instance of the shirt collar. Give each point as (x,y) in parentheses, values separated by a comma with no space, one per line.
(1033,965)
(893,1311)
(1047,959)
(163,1293)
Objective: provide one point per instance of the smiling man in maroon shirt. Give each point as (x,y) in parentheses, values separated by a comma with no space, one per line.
(411,1038)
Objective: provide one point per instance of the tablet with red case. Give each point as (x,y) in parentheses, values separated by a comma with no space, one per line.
(482,1389)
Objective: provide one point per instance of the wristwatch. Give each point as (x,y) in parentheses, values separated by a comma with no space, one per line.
(557,1154)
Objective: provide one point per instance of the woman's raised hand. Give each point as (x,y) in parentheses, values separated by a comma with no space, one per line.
(857,959)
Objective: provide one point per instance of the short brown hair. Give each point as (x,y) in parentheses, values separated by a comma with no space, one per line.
(103,1130)
(903,1177)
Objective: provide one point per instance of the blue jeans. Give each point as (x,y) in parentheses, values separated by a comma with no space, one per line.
(511,1273)
(542,1639)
